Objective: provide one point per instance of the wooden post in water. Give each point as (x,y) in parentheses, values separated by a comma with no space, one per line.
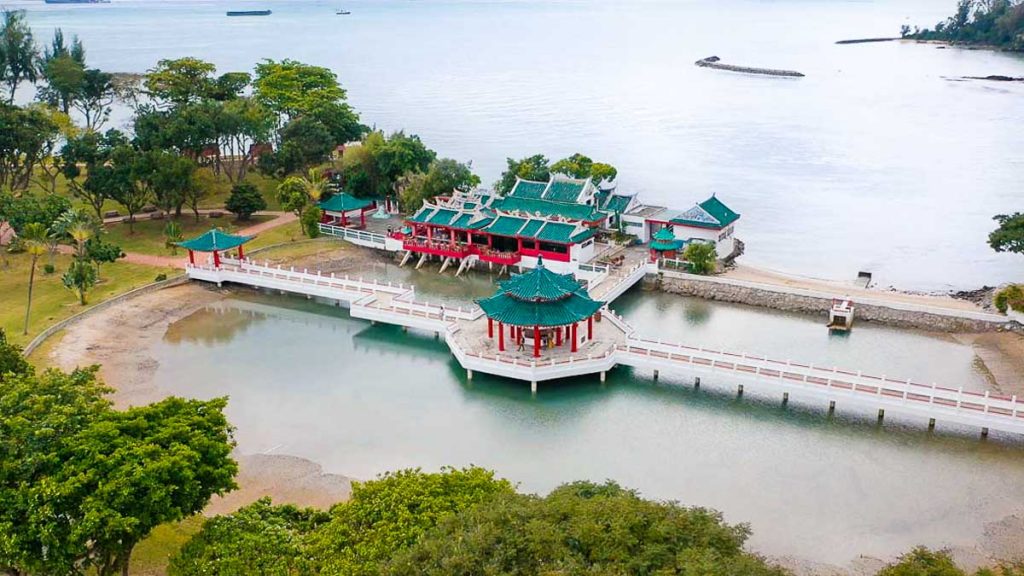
(881,415)
(696,383)
(984,433)
(533,387)
(739,391)
(785,398)
(831,407)
(931,424)
(655,374)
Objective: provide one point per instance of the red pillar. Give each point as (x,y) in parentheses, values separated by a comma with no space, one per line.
(558,336)
(216,259)
(452,230)
(536,341)
(501,337)
(574,339)
(191,257)
(344,219)
(362,218)
(241,254)
(590,328)
(430,234)
(490,327)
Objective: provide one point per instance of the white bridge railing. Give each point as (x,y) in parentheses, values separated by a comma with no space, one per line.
(361,237)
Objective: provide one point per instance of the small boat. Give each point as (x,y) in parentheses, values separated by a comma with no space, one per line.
(249,12)
(342,12)
(77,1)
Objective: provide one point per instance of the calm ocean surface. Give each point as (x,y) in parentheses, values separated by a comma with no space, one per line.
(877,160)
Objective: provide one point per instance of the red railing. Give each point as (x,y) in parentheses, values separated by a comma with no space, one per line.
(447,249)
(496,257)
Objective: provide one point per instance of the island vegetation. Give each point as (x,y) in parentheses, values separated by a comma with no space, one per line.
(1009,237)
(992,23)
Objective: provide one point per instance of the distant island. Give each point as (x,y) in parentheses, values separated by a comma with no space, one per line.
(995,24)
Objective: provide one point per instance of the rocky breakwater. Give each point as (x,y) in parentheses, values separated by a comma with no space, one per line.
(780,298)
(716,63)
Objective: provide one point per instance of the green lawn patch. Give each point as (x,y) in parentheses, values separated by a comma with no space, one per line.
(149,234)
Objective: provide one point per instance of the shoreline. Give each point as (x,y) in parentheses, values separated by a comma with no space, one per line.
(121,339)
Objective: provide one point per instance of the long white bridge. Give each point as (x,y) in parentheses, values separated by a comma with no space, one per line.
(616,343)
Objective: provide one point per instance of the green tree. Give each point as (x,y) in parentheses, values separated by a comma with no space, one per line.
(1011,297)
(63,68)
(11,360)
(203,184)
(304,142)
(443,176)
(180,81)
(80,277)
(40,416)
(582,528)
(257,539)
(86,165)
(19,211)
(292,89)
(99,251)
(301,195)
(245,200)
(19,55)
(291,194)
(399,155)
(241,124)
(1009,237)
(27,135)
(95,98)
(923,562)
(389,514)
(580,166)
(172,176)
(530,168)
(34,238)
(701,256)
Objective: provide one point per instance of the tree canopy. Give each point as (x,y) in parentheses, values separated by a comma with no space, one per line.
(539,168)
(1009,237)
(998,23)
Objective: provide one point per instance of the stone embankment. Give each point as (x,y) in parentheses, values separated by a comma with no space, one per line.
(715,62)
(794,300)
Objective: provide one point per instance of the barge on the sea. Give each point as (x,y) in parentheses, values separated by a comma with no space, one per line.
(249,13)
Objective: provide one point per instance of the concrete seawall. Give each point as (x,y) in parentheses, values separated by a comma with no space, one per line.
(809,302)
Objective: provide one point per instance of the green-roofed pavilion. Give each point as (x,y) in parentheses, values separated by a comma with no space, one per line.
(553,304)
(216,241)
(664,244)
(340,205)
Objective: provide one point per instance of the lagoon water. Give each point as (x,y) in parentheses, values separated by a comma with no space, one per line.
(305,379)
(878,160)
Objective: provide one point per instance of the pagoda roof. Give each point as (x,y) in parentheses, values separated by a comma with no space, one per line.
(540,207)
(528,189)
(564,190)
(343,202)
(540,297)
(214,239)
(665,234)
(617,203)
(711,213)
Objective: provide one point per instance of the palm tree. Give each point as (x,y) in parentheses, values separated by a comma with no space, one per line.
(35,239)
(315,184)
(80,232)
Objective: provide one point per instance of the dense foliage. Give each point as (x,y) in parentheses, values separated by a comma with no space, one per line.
(701,257)
(1009,237)
(245,200)
(998,23)
(539,168)
(82,483)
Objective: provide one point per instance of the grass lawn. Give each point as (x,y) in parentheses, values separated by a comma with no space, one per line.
(150,557)
(51,301)
(149,234)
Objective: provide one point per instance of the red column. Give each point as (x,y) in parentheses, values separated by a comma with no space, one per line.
(191,257)
(536,341)
(490,327)
(558,336)
(430,234)
(216,259)
(574,339)
(241,254)
(501,337)
(362,218)
(453,235)
(590,328)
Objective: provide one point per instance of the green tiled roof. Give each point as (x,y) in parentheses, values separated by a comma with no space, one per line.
(665,235)
(720,211)
(422,214)
(666,245)
(214,239)
(556,232)
(442,217)
(588,233)
(462,221)
(540,297)
(531,228)
(528,189)
(562,191)
(343,203)
(711,213)
(617,203)
(506,226)
(549,208)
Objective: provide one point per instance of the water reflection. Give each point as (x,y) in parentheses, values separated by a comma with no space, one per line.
(214,324)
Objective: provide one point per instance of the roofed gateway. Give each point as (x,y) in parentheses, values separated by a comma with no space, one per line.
(551,304)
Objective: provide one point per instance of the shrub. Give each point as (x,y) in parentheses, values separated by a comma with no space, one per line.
(245,200)
(701,256)
(310,221)
(160,278)
(49,268)
(1011,297)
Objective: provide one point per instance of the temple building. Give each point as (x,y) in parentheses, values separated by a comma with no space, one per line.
(540,309)
(556,220)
